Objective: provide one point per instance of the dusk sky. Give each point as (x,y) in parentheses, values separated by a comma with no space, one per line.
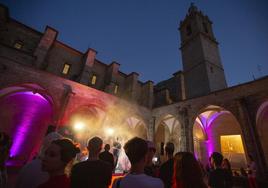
(142,35)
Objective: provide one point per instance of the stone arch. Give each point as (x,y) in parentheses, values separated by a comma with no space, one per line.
(138,126)
(262,127)
(168,129)
(26,110)
(217,129)
(86,121)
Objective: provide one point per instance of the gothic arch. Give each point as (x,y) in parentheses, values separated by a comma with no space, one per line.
(26,110)
(33,87)
(168,129)
(138,126)
(86,121)
(262,127)
(221,133)
(160,118)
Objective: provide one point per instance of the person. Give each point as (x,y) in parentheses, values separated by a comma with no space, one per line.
(107,156)
(57,156)
(31,174)
(166,169)
(93,172)
(243,172)
(208,166)
(150,169)
(136,150)
(218,177)
(226,165)
(252,171)
(5,144)
(187,171)
(203,170)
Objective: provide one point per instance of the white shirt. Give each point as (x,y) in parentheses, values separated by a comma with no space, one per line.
(139,181)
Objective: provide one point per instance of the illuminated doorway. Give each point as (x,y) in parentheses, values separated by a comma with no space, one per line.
(168,130)
(210,127)
(232,148)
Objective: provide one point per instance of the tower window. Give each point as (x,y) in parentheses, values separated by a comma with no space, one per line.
(66,68)
(205,27)
(188,30)
(93,79)
(116,89)
(18,45)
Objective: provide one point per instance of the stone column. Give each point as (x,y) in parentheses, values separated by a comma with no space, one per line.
(248,126)
(183,114)
(151,129)
(67,92)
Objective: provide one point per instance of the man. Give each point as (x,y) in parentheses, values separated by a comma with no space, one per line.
(136,149)
(166,169)
(218,177)
(107,156)
(150,169)
(93,173)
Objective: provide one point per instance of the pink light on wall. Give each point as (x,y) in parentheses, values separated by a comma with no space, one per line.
(25,116)
(206,124)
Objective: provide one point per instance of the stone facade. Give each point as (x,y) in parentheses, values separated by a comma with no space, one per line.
(71,80)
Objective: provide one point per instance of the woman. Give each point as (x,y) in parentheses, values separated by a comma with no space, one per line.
(226,165)
(58,155)
(229,174)
(187,172)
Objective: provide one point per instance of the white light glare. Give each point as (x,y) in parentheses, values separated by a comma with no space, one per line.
(79,126)
(109,131)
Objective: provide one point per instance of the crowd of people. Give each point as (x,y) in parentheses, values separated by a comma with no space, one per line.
(56,166)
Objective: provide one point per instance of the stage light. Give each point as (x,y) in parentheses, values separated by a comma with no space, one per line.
(79,126)
(109,131)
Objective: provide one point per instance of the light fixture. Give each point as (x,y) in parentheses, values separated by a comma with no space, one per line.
(109,131)
(78,126)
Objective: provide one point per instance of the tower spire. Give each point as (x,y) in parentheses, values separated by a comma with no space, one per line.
(192,8)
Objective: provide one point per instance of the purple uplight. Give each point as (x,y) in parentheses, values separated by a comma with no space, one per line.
(26,117)
(209,129)
(206,124)
(20,136)
(203,121)
(209,143)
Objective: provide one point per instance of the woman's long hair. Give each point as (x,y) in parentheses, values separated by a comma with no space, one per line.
(187,171)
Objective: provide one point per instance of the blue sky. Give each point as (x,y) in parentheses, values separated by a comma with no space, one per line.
(142,35)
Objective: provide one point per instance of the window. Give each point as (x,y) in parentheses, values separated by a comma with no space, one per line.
(18,45)
(66,68)
(205,27)
(188,30)
(93,79)
(115,89)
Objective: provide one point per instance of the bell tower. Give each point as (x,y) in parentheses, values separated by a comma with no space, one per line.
(202,68)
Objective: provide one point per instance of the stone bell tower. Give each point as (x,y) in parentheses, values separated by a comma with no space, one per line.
(202,68)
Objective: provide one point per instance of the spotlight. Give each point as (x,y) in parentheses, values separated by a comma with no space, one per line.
(155,159)
(79,126)
(109,131)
